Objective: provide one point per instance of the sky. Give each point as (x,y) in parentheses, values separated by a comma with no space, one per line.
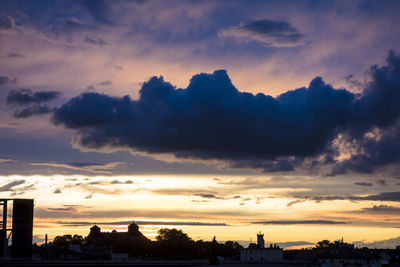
(220,118)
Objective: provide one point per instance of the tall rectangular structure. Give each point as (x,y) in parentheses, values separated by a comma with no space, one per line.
(22,228)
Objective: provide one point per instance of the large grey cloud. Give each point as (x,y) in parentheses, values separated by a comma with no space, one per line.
(211,119)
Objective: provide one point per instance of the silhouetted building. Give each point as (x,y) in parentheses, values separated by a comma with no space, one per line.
(133,234)
(258,253)
(21,229)
(349,258)
(132,241)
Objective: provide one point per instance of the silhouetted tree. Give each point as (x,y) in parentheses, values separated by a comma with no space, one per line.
(173,244)
(65,240)
(323,244)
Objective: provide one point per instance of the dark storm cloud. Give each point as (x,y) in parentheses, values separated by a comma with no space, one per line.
(95,41)
(32,111)
(26,96)
(4,80)
(363,184)
(211,119)
(270,32)
(290,222)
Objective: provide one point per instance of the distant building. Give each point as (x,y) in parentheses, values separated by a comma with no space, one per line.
(349,258)
(133,234)
(132,242)
(258,252)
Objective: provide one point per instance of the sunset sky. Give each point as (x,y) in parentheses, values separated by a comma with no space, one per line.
(220,118)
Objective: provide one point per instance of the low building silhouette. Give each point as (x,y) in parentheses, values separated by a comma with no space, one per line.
(133,234)
(132,241)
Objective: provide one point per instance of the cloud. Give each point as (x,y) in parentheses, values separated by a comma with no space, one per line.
(382,209)
(363,184)
(17,187)
(99,10)
(15,55)
(84,166)
(381,182)
(22,190)
(179,121)
(26,96)
(206,195)
(105,83)
(7,160)
(170,223)
(57,191)
(212,120)
(291,203)
(269,32)
(293,244)
(66,29)
(85,213)
(305,222)
(6,23)
(388,243)
(383,196)
(31,111)
(10,186)
(95,41)
(4,80)
(121,182)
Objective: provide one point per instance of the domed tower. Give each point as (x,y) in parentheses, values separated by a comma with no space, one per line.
(133,228)
(94,231)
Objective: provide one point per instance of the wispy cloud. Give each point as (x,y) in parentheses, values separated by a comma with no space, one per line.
(27,96)
(100,168)
(276,33)
(10,186)
(305,222)
(169,223)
